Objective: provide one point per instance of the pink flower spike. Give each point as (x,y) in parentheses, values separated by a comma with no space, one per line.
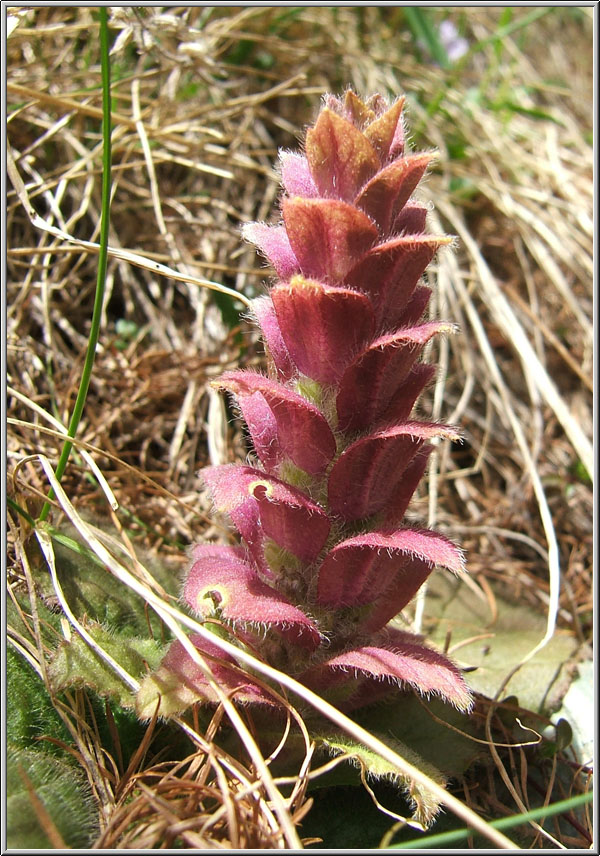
(327,236)
(302,432)
(323,326)
(358,570)
(274,243)
(240,596)
(286,514)
(336,448)
(340,157)
(367,473)
(295,175)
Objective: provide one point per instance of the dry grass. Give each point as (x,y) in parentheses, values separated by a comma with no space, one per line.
(201,102)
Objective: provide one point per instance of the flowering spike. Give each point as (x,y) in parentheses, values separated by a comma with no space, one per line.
(337,449)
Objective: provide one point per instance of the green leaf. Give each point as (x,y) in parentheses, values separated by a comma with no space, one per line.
(577,713)
(64,793)
(29,711)
(76,664)
(426,742)
(494,648)
(564,734)
(424,804)
(345,818)
(415,723)
(92,591)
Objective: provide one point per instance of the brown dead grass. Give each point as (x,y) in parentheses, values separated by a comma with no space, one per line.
(194,143)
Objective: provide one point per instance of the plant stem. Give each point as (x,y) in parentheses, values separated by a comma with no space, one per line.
(102,257)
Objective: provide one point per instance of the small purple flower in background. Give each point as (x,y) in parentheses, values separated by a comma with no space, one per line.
(455,46)
(326,559)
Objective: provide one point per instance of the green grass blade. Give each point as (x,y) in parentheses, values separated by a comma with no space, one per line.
(445,838)
(17,508)
(102,256)
(424,31)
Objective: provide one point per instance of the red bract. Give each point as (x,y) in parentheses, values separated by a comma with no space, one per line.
(326,559)
(282,423)
(398,658)
(356,571)
(322,326)
(366,474)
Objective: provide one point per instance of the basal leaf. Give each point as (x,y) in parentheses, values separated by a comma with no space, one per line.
(62,789)
(540,683)
(76,664)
